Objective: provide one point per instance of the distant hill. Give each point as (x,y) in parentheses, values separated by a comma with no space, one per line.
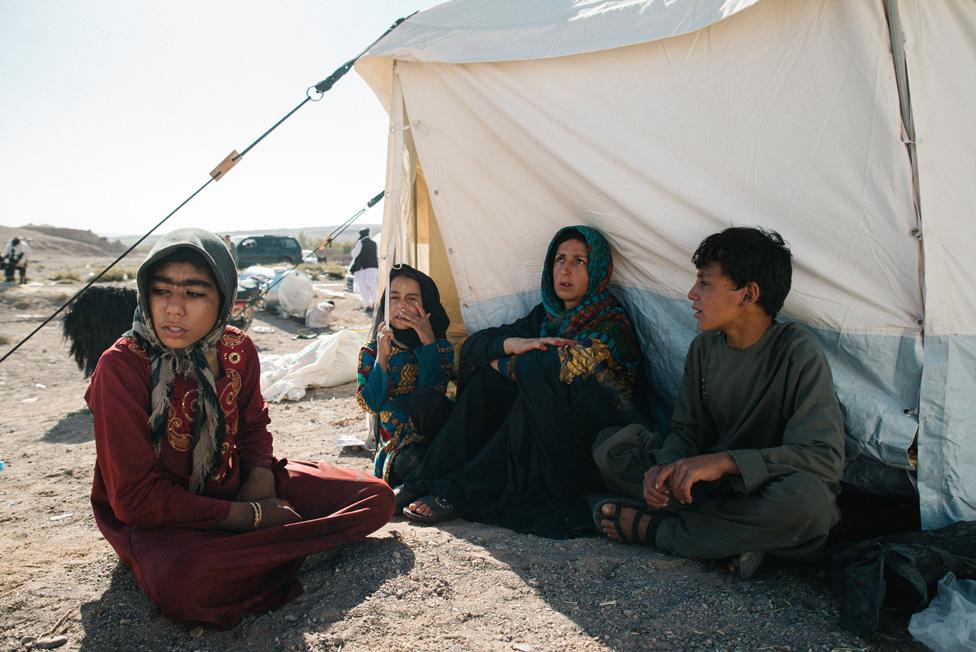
(87,237)
(77,242)
(53,240)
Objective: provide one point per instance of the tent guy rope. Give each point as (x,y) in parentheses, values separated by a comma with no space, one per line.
(326,243)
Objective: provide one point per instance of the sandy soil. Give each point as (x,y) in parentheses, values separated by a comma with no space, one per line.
(461,586)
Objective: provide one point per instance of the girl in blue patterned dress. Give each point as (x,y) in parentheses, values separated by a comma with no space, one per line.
(403,373)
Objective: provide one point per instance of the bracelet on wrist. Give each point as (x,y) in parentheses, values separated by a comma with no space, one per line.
(258,514)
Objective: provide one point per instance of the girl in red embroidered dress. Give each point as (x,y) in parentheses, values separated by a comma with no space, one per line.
(186,488)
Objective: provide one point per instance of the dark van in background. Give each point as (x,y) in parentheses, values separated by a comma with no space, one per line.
(267,250)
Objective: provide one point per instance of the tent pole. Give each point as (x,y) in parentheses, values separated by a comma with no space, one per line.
(897,37)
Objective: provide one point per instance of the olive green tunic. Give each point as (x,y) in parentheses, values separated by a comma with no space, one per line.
(772,407)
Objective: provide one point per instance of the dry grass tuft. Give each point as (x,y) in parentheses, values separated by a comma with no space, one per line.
(321,270)
(117,275)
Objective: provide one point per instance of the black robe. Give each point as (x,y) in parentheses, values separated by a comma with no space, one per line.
(518,452)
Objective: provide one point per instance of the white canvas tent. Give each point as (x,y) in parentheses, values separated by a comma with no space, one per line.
(846,126)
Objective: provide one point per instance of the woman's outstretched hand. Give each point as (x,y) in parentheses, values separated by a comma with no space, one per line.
(414,316)
(520,345)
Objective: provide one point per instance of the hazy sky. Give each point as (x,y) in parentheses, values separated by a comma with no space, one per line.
(113,112)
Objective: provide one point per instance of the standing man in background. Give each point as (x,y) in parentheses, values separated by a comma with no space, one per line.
(365,268)
(17,254)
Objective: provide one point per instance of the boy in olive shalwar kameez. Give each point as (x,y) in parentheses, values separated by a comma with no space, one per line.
(755,454)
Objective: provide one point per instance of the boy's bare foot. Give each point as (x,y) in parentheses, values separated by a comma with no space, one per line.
(627,523)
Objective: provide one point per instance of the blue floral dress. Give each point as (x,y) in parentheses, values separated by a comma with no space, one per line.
(387,394)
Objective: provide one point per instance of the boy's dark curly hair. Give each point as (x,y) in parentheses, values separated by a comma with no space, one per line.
(748,254)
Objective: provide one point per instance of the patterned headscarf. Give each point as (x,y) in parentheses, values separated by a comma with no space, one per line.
(167,364)
(599,316)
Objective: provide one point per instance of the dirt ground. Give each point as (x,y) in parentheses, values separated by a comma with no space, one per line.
(463,586)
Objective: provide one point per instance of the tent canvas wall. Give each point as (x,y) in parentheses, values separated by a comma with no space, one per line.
(845,126)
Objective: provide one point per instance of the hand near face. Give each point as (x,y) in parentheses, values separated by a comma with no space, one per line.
(520,345)
(407,308)
(414,316)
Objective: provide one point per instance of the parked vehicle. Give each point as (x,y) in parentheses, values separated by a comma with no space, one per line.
(267,250)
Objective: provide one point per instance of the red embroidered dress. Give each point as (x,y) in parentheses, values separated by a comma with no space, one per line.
(164,532)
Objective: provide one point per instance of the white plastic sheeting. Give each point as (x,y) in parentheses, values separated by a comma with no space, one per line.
(328,361)
(291,292)
(317,316)
(784,115)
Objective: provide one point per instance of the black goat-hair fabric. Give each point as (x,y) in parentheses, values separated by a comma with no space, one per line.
(98,317)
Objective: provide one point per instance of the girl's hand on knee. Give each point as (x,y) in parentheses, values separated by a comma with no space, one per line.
(275,512)
(245,516)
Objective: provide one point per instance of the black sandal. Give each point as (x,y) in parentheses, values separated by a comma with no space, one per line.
(441,509)
(618,505)
(405,496)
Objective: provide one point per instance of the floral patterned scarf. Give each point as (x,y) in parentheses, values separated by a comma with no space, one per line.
(599,316)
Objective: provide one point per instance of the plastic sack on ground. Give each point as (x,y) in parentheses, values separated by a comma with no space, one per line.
(290,293)
(328,361)
(948,624)
(260,272)
(317,316)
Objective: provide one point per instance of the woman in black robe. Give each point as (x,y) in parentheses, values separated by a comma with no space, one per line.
(532,396)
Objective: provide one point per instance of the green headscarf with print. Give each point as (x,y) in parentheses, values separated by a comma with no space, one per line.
(599,316)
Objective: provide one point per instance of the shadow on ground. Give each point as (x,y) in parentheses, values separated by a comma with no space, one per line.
(271,318)
(338,392)
(635,598)
(335,583)
(74,428)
